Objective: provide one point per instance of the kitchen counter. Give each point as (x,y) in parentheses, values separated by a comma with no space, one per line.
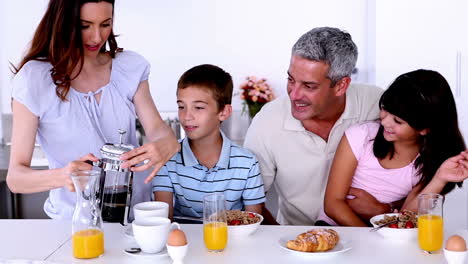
(8,201)
(20,205)
(4,158)
(39,161)
(49,240)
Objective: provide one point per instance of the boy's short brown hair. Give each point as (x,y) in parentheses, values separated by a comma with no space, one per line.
(212,78)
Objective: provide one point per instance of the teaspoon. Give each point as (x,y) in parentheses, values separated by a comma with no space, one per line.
(133,250)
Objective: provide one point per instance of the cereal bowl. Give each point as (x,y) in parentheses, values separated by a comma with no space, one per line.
(245,227)
(397,234)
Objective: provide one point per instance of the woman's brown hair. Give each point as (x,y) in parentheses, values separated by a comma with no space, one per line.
(57,40)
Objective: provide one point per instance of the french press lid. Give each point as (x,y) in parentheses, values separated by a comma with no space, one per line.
(111,153)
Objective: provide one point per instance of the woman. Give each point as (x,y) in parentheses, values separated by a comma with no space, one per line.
(74,94)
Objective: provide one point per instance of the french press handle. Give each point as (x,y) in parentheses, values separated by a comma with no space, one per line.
(122,133)
(94,163)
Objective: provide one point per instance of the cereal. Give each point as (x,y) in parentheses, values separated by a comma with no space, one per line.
(406,219)
(237,217)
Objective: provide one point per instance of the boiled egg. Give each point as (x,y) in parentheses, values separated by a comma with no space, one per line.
(455,243)
(176,238)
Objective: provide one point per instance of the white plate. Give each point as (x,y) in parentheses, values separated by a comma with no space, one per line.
(142,254)
(341,247)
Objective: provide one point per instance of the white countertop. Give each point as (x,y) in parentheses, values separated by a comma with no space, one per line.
(49,240)
(31,239)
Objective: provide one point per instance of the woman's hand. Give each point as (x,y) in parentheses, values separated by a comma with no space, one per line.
(77,165)
(454,169)
(154,154)
(163,141)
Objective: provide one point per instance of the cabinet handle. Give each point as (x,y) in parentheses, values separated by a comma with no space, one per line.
(458,83)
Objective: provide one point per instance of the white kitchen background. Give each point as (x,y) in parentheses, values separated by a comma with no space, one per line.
(254,37)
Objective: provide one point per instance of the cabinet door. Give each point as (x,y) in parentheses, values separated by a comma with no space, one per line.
(412,35)
(456,205)
(428,34)
(461,84)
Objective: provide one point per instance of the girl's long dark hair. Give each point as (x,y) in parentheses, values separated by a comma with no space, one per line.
(423,99)
(57,40)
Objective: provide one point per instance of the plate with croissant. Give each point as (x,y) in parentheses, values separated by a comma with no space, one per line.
(315,242)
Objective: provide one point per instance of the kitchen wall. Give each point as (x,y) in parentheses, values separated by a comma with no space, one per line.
(244,37)
(17,22)
(3,64)
(254,37)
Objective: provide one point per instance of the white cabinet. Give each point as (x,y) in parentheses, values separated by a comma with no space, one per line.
(432,35)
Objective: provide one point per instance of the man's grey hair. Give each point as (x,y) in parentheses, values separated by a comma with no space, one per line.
(329,45)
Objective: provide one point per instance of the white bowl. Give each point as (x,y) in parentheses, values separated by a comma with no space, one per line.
(244,230)
(400,234)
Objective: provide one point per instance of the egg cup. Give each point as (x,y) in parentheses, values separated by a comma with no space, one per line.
(177,253)
(455,257)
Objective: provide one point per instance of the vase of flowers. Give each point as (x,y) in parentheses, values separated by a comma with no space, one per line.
(255,93)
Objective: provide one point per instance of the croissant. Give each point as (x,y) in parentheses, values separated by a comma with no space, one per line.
(315,240)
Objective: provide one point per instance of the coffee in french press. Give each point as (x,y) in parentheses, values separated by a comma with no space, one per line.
(115,187)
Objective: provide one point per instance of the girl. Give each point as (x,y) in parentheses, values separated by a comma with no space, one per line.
(74,94)
(415,148)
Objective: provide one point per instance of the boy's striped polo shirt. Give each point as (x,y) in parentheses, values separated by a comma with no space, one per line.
(236,174)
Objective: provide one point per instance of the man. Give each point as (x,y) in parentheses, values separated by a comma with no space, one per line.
(295,137)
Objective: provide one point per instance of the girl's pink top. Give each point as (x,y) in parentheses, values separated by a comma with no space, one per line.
(386,185)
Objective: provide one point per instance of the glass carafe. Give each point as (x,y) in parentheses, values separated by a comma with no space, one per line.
(87,233)
(430,222)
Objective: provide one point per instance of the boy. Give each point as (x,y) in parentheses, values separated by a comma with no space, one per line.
(208,161)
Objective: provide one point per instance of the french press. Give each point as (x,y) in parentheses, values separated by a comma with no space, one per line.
(115,183)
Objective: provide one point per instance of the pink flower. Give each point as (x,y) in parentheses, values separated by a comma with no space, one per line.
(256,90)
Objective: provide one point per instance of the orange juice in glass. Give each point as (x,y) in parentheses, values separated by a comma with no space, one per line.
(87,233)
(431,232)
(430,222)
(215,235)
(215,230)
(88,243)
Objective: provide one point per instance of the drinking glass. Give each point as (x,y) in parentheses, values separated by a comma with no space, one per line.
(430,222)
(87,233)
(215,230)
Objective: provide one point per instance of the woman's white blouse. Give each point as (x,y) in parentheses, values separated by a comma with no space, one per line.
(71,129)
